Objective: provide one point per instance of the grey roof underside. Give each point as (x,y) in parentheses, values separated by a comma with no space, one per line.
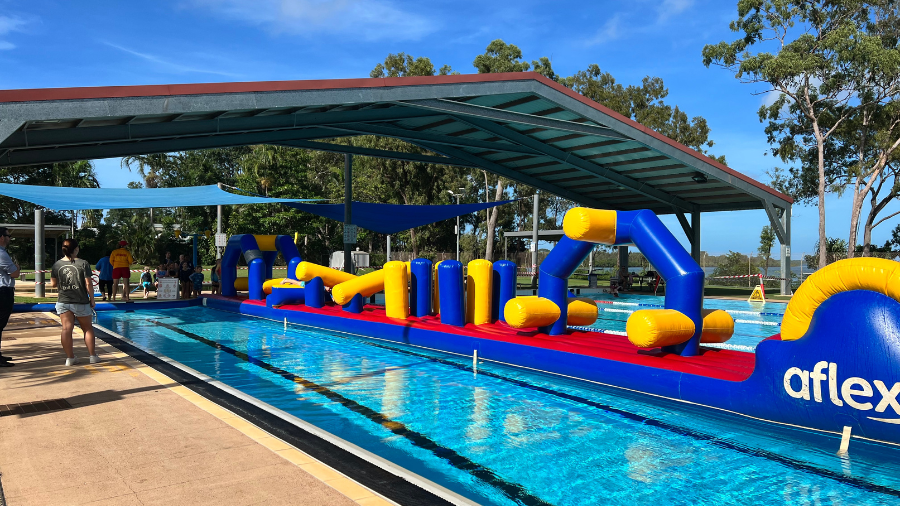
(522,130)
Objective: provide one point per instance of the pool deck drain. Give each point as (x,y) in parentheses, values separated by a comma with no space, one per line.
(130,438)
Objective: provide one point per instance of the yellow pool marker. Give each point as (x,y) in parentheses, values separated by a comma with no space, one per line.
(873,274)
(757,295)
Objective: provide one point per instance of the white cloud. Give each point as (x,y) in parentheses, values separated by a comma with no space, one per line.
(365,19)
(610,30)
(168,65)
(670,8)
(10,24)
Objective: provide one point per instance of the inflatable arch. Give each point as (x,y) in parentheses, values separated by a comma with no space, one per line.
(260,252)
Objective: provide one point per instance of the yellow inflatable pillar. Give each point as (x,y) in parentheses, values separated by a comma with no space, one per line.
(437,294)
(330,277)
(478,292)
(530,311)
(396,290)
(366,285)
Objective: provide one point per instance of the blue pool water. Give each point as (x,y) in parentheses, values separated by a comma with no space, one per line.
(753,321)
(506,436)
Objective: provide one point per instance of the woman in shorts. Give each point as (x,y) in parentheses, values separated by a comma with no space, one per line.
(72,277)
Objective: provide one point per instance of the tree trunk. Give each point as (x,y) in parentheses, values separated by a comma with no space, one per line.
(823,240)
(492,222)
(854,220)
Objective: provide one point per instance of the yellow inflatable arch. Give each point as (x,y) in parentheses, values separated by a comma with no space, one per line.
(873,274)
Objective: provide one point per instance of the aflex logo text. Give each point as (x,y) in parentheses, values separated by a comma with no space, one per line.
(856,392)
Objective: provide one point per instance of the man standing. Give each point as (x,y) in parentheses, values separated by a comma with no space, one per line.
(105,277)
(9,270)
(121,261)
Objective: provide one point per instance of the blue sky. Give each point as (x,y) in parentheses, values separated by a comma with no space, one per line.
(95,43)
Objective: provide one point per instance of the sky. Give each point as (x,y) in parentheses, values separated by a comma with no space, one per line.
(46,44)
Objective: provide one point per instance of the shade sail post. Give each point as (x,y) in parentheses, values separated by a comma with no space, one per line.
(388,249)
(39,252)
(219,225)
(349,240)
(534,240)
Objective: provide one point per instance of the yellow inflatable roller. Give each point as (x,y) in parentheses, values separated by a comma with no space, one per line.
(650,328)
(581,311)
(718,326)
(242,284)
(873,274)
(366,285)
(278,282)
(331,277)
(530,311)
(590,225)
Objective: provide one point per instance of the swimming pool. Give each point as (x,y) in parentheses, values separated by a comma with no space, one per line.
(508,436)
(753,322)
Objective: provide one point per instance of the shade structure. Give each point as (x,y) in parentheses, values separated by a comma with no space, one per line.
(393,218)
(76,199)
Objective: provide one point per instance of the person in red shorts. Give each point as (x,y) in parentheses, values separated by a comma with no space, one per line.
(121,261)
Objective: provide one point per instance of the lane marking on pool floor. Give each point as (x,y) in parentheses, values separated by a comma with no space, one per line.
(353,490)
(512,490)
(787,461)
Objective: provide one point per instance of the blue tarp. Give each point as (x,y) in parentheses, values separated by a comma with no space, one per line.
(76,199)
(393,218)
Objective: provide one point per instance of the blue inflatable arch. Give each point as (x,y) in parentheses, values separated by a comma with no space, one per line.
(260,252)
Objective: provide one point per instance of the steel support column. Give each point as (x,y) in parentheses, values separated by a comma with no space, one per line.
(38,252)
(695,236)
(348,210)
(218,226)
(623,262)
(534,239)
(786,288)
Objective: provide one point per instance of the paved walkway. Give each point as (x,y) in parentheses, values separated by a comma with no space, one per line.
(133,436)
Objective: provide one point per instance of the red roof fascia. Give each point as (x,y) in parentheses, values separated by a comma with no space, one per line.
(99,92)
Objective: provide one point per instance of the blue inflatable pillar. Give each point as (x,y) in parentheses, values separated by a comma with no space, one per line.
(355,305)
(554,276)
(292,267)
(503,289)
(315,292)
(256,276)
(420,284)
(452,294)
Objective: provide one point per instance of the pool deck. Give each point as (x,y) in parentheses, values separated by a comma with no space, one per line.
(121,433)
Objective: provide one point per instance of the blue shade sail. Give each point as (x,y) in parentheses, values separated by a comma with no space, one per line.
(393,218)
(76,199)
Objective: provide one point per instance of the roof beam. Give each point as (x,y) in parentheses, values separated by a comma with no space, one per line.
(403,134)
(509,173)
(376,153)
(776,221)
(457,109)
(568,158)
(153,131)
(73,153)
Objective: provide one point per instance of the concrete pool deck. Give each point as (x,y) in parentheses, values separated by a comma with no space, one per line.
(120,432)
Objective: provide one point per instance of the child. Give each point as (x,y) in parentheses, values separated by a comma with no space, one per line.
(161,272)
(197,280)
(146,281)
(214,276)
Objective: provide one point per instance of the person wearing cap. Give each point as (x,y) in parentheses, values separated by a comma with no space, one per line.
(9,270)
(121,261)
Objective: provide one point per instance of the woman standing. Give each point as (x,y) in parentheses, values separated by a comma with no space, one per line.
(72,276)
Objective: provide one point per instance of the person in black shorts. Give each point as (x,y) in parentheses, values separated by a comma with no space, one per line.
(9,270)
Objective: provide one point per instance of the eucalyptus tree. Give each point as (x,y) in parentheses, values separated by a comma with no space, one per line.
(819,57)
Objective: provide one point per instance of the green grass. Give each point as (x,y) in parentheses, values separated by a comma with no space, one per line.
(33,300)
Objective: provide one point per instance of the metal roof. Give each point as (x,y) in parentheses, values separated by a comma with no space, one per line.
(26,230)
(522,126)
